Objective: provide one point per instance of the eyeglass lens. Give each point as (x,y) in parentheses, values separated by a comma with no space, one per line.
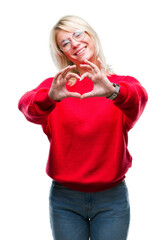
(78,35)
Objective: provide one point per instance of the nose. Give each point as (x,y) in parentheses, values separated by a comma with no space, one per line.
(74,43)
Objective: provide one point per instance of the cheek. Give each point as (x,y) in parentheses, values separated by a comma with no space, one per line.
(90,40)
(92,48)
(92,45)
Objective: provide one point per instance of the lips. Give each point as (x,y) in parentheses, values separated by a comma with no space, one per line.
(80,51)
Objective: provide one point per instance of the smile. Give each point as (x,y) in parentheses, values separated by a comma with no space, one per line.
(80,51)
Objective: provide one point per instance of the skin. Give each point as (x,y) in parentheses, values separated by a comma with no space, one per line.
(88,65)
(88,54)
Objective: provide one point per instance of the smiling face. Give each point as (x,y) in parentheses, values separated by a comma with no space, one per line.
(80,50)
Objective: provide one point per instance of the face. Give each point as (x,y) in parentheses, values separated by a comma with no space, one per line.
(80,50)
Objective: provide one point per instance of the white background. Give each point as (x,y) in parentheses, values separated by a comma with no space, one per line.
(133,38)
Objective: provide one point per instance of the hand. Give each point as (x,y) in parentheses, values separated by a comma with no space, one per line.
(102,85)
(58,89)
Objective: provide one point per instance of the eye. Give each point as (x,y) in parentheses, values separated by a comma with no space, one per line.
(65,43)
(78,34)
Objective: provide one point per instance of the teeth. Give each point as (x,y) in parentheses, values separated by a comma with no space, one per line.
(80,51)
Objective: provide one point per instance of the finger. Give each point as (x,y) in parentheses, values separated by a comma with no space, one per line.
(85,66)
(88,94)
(101,65)
(56,77)
(87,74)
(70,75)
(67,69)
(74,94)
(69,66)
(93,66)
(60,73)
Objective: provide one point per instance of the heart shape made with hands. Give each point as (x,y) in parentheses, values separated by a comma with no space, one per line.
(80,86)
(97,74)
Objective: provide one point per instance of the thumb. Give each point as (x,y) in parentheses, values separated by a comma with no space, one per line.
(88,94)
(74,94)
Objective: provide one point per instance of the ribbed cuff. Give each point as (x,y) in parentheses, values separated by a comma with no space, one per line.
(43,103)
(122,95)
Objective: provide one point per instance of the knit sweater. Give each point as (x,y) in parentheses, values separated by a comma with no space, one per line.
(88,137)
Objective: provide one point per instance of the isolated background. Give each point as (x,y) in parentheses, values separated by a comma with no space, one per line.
(133,38)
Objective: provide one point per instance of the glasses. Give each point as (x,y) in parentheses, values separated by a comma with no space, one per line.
(66,44)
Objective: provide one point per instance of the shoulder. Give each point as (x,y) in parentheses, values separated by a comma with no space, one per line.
(46,83)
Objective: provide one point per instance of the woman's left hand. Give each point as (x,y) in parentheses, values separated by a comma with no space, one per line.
(102,85)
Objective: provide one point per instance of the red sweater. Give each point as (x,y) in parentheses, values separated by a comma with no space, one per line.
(88,137)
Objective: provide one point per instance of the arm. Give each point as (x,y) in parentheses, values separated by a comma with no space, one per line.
(131,99)
(36,105)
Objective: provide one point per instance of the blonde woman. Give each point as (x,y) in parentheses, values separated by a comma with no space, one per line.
(86,112)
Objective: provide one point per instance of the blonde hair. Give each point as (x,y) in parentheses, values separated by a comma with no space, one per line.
(71,23)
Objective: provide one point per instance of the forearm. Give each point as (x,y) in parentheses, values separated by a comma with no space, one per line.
(132,99)
(36,105)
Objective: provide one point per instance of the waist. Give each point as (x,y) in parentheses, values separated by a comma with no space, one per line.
(87,187)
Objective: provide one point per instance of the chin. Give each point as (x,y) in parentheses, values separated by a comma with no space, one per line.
(81,59)
(89,58)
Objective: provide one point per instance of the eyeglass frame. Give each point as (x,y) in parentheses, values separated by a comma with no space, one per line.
(78,40)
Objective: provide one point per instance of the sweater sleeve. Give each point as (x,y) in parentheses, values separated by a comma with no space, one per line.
(131,99)
(36,104)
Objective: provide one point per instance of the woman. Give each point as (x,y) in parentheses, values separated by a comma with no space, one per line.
(86,113)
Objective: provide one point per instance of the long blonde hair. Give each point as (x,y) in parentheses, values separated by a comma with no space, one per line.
(70,23)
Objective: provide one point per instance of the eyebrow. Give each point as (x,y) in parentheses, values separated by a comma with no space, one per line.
(64,40)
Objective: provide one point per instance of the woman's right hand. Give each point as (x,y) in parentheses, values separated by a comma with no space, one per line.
(58,89)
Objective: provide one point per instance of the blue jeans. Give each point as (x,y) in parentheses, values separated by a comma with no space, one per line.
(78,215)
